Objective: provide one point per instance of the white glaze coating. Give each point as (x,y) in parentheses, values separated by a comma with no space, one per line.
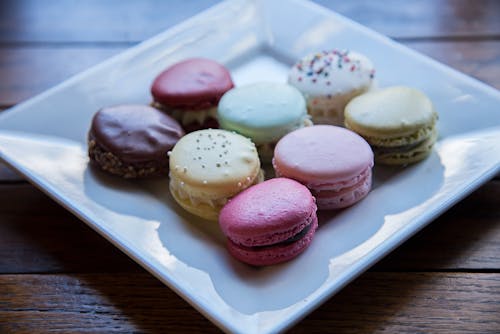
(330,73)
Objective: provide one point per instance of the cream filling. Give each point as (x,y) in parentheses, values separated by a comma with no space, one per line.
(330,109)
(188,116)
(333,187)
(197,196)
(405,152)
(416,137)
(340,186)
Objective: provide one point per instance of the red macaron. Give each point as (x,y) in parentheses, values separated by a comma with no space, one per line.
(190,91)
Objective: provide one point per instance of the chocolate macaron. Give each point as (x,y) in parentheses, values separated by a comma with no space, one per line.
(132,140)
(190,91)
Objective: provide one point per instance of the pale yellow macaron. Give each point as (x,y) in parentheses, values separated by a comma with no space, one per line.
(207,167)
(398,122)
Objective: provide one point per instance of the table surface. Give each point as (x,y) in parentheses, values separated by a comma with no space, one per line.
(56,274)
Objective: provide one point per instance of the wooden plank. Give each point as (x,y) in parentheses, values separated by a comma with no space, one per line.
(425,19)
(92,21)
(9,175)
(104,303)
(480,59)
(53,243)
(411,303)
(37,235)
(376,302)
(28,71)
(466,237)
(131,21)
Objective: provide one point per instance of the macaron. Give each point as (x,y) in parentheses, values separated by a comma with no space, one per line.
(329,80)
(333,162)
(398,122)
(190,91)
(132,141)
(207,167)
(264,112)
(269,223)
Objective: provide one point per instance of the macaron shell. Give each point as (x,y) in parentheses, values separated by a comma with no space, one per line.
(135,133)
(267,213)
(332,200)
(272,255)
(322,153)
(196,83)
(390,112)
(263,111)
(215,160)
(331,72)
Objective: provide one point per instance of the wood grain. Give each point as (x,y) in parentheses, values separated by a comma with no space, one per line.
(94,303)
(27,71)
(38,235)
(91,21)
(374,303)
(479,59)
(32,21)
(411,303)
(467,237)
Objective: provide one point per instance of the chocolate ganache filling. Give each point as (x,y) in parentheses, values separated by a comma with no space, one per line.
(396,149)
(288,241)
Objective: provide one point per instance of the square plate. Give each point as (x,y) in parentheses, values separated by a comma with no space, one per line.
(45,139)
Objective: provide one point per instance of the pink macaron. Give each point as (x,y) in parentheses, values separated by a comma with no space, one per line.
(333,162)
(271,222)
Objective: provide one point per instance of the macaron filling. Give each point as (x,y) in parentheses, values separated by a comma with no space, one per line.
(278,237)
(275,253)
(286,242)
(419,146)
(396,149)
(189,116)
(320,189)
(199,196)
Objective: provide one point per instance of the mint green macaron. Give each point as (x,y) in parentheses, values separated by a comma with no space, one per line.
(263,112)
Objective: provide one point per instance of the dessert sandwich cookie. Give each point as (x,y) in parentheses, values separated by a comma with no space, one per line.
(329,80)
(190,90)
(333,162)
(264,112)
(207,167)
(398,122)
(132,140)
(269,223)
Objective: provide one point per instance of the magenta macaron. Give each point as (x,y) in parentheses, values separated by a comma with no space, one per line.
(333,162)
(271,222)
(190,91)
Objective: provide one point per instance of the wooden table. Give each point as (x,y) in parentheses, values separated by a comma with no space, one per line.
(56,274)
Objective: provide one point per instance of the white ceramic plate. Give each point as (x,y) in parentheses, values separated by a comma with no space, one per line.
(45,139)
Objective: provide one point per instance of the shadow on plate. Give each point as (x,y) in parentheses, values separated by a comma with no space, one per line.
(199,244)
